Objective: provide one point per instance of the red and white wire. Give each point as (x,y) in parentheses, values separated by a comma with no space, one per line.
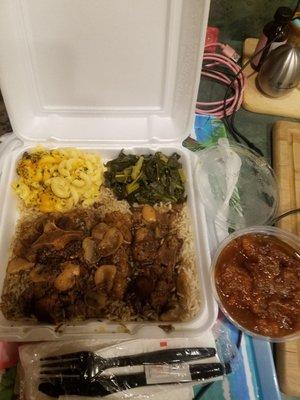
(211,61)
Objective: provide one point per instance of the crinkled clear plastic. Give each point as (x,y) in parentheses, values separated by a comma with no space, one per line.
(165,378)
(237,186)
(227,345)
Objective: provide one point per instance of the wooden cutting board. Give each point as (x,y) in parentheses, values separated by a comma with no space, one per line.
(286,160)
(254,100)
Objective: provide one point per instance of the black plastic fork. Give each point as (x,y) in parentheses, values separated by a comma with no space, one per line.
(86,364)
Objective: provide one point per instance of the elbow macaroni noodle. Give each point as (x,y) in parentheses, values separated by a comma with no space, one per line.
(59,179)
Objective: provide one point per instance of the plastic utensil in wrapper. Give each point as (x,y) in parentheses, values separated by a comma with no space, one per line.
(166,377)
(237,186)
(104,385)
(87,364)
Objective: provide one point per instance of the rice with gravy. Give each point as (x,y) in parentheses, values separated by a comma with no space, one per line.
(117,310)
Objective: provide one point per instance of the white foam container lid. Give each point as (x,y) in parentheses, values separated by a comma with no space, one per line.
(103,75)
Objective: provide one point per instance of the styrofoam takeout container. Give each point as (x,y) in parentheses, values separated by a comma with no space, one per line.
(102,75)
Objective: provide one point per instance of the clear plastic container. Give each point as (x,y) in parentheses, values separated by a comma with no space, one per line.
(286,237)
(237,186)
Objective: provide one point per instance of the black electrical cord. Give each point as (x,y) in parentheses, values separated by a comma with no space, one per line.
(229,120)
(286,214)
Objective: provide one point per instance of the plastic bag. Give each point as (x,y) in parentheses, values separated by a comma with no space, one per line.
(124,382)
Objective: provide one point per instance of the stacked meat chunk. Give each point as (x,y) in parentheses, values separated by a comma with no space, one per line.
(156,253)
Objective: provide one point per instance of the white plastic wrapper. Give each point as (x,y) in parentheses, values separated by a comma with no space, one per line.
(168,374)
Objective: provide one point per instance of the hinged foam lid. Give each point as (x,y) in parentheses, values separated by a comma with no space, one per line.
(101,70)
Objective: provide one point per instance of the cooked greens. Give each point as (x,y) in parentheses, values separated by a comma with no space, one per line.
(151,178)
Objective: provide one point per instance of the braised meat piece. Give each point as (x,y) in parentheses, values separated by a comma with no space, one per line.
(81,219)
(155,254)
(168,257)
(99,230)
(53,238)
(48,309)
(283,313)
(161,293)
(144,286)
(235,280)
(137,217)
(121,221)
(169,251)
(90,250)
(40,290)
(164,221)
(111,242)
(18,264)
(146,251)
(117,218)
(28,234)
(145,245)
(121,260)
(236,285)
(49,256)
